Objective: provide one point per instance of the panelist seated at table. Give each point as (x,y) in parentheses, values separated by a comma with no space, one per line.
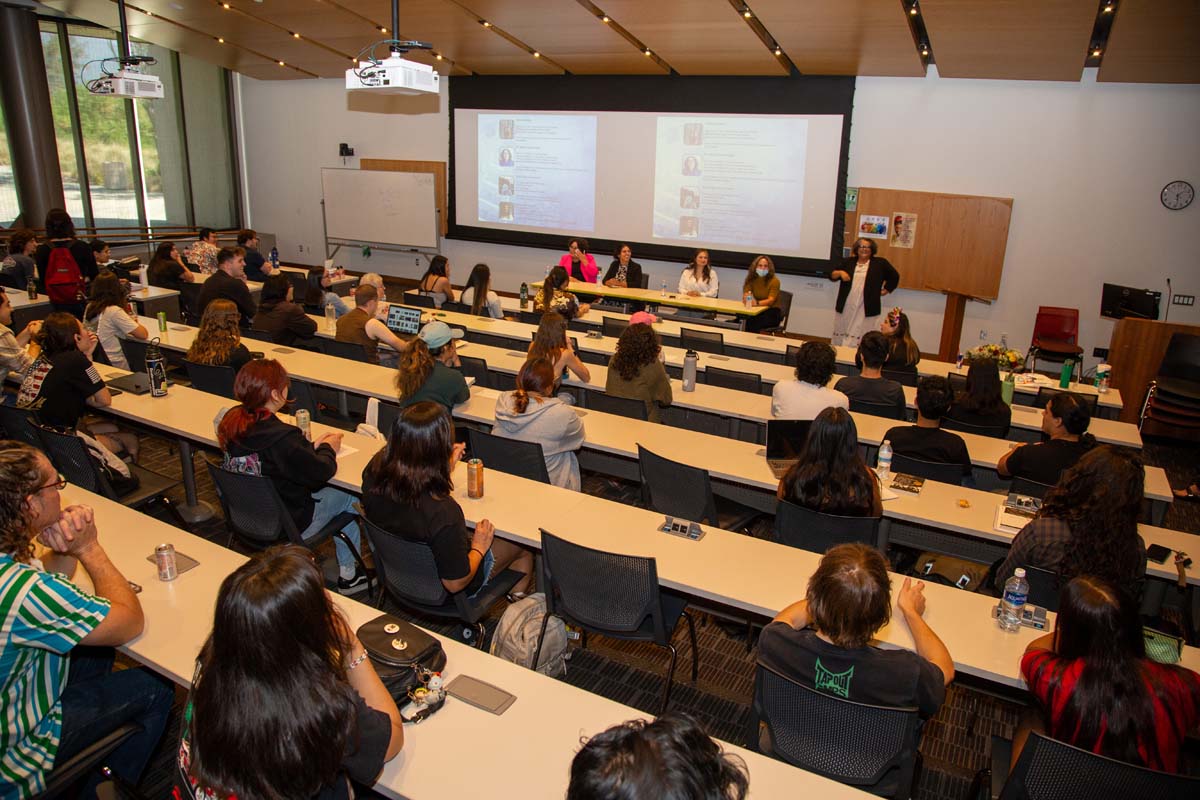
(478,296)
(299,714)
(218,340)
(1096,688)
(105,316)
(636,370)
(578,262)
(762,284)
(869,386)
(532,413)
(698,279)
(623,272)
(61,694)
(809,394)
(551,342)
(407,491)
(430,368)
(363,327)
(167,269)
(553,296)
(670,756)
(278,316)
(257,442)
(926,440)
(228,283)
(831,476)
(1065,420)
(319,294)
(982,402)
(824,641)
(1088,524)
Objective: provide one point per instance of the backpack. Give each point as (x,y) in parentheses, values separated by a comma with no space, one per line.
(516,637)
(64,281)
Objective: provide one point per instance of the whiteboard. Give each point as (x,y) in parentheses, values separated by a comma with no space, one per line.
(369,206)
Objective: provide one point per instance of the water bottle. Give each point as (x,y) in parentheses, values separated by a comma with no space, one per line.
(144,276)
(1064,378)
(664,288)
(330,318)
(1016,592)
(156,369)
(689,370)
(274,258)
(524,296)
(1103,378)
(304,422)
(31,287)
(748,300)
(884,464)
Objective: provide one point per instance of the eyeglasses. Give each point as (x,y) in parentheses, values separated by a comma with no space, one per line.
(59,485)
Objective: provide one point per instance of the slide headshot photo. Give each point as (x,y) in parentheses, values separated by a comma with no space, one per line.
(506,129)
(505,187)
(693,133)
(506,211)
(688,197)
(691,166)
(506,158)
(689,227)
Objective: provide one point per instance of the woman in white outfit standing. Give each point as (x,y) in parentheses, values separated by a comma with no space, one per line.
(865,278)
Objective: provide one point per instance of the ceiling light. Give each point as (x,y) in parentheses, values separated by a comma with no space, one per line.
(606,18)
(747,14)
(536,54)
(778,51)
(220,40)
(647,51)
(924,49)
(382,29)
(1096,52)
(1108,8)
(438,56)
(486,24)
(225,6)
(282,64)
(295,36)
(913,9)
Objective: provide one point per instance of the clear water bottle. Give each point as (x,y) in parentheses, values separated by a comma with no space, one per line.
(664,288)
(274,258)
(748,300)
(304,422)
(1016,592)
(884,464)
(330,318)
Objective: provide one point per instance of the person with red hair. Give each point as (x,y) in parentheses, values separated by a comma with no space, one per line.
(257,442)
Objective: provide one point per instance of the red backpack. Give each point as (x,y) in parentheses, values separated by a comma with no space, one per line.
(64,281)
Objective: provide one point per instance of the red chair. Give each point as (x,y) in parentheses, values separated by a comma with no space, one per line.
(1056,333)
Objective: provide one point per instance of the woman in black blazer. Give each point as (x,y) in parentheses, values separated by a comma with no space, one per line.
(623,262)
(865,278)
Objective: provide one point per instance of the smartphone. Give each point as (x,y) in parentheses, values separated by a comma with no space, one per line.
(1157,553)
(480,694)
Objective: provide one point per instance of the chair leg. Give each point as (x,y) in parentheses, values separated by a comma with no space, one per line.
(670,680)
(537,654)
(695,651)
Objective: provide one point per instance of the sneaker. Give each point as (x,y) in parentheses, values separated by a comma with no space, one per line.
(352,585)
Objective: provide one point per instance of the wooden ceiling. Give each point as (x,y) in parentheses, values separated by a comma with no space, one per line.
(1151,41)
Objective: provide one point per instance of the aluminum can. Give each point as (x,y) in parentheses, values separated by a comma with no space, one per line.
(304,422)
(162,322)
(164,559)
(958,364)
(31,287)
(475,478)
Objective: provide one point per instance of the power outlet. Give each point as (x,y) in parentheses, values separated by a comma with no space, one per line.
(1099,352)
(300,248)
(1183,300)
(983,335)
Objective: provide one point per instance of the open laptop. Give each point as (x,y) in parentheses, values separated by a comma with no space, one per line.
(403,321)
(785,440)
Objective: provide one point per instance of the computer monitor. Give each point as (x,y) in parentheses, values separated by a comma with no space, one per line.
(786,437)
(403,321)
(1118,302)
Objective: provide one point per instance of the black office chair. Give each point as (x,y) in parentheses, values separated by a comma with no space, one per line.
(303,396)
(63,781)
(135,354)
(408,572)
(299,281)
(612,595)
(523,459)
(1044,587)
(611,404)
(784,304)
(828,735)
(477,368)
(456,307)
(684,491)
(1029,488)
(793,353)
(929,470)
(733,379)
(1046,393)
(904,377)
(702,341)
(993,431)
(530,317)
(803,528)
(189,302)
(888,410)
(419,299)
(614,326)
(958,381)
(20,424)
(211,379)
(348,350)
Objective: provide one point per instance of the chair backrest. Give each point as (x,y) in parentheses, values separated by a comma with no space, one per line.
(70,456)
(793,353)
(797,526)
(676,489)
(20,424)
(419,299)
(889,410)
(733,379)
(523,459)
(930,470)
(406,567)
(784,304)
(614,326)
(477,368)
(904,377)
(1044,586)
(1029,487)
(611,404)
(702,341)
(530,317)
(211,379)
(351,350)
(1051,770)
(1045,393)
(994,431)
(456,307)
(823,733)
(1056,323)
(135,353)
(253,509)
(1182,359)
(645,280)
(299,281)
(958,381)
(598,590)
(189,302)
(302,394)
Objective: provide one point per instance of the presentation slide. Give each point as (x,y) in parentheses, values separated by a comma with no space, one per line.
(752,183)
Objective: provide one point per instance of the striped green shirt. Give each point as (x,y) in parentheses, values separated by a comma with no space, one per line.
(43,615)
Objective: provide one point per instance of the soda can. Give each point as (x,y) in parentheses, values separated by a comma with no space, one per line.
(959,363)
(304,422)
(164,559)
(162,322)
(31,287)
(475,478)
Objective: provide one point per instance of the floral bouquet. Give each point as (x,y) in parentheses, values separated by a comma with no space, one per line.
(1005,358)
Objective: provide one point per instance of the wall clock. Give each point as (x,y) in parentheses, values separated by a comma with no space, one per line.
(1177,195)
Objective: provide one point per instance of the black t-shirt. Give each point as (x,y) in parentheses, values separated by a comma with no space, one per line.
(58,388)
(223,285)
(166,273)
(254,265)
(1045,462)
(881,391)
(930,444)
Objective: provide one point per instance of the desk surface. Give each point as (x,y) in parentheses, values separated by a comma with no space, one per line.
(138,293)
(20,299)
(656,296)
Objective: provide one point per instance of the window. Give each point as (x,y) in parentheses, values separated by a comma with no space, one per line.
(8,189)
(60,108)
(210,150)
(160,136)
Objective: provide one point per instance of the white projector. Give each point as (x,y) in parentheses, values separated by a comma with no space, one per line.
(393,75)
(127,83)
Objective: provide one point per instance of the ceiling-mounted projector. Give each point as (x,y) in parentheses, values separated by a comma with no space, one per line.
(127,83)
(393,75)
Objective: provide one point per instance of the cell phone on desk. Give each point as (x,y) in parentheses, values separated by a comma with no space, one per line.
(1157,553)
(480,694)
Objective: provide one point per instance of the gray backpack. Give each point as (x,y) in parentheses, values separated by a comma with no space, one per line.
(516,637)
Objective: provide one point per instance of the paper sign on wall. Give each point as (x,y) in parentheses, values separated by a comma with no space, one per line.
(851,198)
(873,226)
(904,229)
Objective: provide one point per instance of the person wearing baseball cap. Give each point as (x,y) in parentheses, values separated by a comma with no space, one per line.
(429,368)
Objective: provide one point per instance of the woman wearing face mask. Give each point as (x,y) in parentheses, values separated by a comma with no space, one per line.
(762,282)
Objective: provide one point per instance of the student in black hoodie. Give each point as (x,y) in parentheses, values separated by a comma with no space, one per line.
(257,442)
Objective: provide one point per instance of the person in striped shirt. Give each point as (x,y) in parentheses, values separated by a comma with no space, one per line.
(58,693)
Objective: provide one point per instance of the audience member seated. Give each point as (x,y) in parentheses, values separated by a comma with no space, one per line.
(532,413)
(824,641)
(228,283)
(1065,420)
(362,326)
(257,442)
(407,490)
(18,268)
(1088,523)
(257,267)
(167,268)
(926,440)
(60,693)
(903,353)
(436,281)
(578,262)
(982,403)
(319,295)
(300,712)
(277,315)
(808,395)
(831,476)
(218,341)
(478,296)
(869,386)
(376,280)
(552,343)
(17,351)
(636,370)
(203,252)
(561,301)
(763,285)
(624,272)
(429,368)
(104,260)
(1097,689)
(105,316)
(60,233)
(670,758)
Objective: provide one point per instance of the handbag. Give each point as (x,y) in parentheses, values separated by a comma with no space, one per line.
(404,656)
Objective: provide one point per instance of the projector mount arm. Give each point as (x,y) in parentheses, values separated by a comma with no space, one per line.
(396,47)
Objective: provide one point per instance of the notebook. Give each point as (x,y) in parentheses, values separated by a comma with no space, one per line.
(403,321)
(785,440)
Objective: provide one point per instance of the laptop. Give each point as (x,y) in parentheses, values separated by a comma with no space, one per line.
(403,321)
(135,383)
(785,440)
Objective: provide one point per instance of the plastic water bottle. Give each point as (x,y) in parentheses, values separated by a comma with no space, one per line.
(1016,592)
(330,318)
(524,296)
(690,360)
(748,300)
(664,288)
(884,464)
(144,276)
(274,258)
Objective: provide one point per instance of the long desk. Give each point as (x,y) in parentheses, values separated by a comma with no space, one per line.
(671,299)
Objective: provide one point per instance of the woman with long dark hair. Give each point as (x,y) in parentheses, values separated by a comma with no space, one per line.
(636,370)
(478,294)
(903,352)
(167,268)
(532,413)
(320,294)
(831,476)
(218,340)
(624,272)
(762,284)
(1097,689)
(407,490)
(436,281)
(698,279)
(300,711)
(551,342)
(1065,420)
(278,316)
(105,316)
(60,233)
(428,369)
(560,300)
(982,402)
(1088,523)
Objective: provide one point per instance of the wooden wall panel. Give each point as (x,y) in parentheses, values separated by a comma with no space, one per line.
(1154,41)
(435,168)
(1135,352)
(836,37)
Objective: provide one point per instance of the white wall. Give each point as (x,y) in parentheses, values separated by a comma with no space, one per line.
(1084,163)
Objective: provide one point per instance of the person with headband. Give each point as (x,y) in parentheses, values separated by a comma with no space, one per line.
(865,277)
(532,413)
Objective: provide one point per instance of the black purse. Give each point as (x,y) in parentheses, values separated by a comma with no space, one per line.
(404,656)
